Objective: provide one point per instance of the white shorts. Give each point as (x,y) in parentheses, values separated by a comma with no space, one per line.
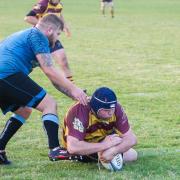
(106,4)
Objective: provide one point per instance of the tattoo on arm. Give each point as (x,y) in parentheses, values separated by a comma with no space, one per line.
(47,60)
(63,90)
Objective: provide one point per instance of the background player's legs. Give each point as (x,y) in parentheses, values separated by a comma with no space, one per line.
(59,55)
(112,11)
(103,8)
(62,60)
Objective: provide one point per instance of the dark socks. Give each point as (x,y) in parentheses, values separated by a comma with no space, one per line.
(51,126)
(11,127)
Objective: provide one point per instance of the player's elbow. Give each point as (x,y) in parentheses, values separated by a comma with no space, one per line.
(73,145)
(30,19)
(72,149)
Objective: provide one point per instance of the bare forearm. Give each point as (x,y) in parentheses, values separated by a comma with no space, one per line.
(61,83)
(58,80)
(62,89)
(76,146)
(125,145)
(31,20)
(85,148)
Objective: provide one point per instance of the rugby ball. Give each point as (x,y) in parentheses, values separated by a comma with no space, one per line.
(116,163)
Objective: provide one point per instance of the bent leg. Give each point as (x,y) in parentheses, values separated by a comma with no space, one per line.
(103,8)
(111,5)
(130,155)
(112,12)
(48,107)
(17,92)
(25,112)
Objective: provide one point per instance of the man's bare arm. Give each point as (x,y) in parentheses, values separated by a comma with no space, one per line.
(31,20)
(74,146)
(58,80)
(128,141)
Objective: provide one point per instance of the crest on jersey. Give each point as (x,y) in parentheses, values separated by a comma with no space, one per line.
(77,124)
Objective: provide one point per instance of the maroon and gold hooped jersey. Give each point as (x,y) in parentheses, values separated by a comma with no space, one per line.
(82,124)
(44,7)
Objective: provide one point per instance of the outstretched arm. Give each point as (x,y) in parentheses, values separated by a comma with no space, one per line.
(31,20)
(59,81)
(38,9)
(66,28)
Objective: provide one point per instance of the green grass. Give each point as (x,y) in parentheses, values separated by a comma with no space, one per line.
(137,54)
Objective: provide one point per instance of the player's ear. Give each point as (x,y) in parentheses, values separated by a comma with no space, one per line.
(50,30)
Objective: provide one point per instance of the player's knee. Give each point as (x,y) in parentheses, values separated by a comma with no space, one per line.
(47,105)
(130,155)
(51,103)
(24,112)
(27,113)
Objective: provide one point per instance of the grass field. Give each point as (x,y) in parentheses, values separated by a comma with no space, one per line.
(137,54)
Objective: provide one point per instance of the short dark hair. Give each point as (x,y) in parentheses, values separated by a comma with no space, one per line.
(53,20)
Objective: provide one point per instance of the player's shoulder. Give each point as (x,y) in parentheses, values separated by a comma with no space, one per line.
(118,106)
(78,113)
(34,35)
(80,108)
(34,32)
(119,109)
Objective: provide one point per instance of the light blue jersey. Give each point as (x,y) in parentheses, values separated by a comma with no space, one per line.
(18,51)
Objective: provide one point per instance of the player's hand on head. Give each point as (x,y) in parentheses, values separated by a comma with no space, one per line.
(80,96)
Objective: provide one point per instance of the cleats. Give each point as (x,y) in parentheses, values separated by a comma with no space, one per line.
(3,159)
(58,153)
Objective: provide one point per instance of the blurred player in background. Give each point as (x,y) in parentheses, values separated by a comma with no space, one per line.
(101,128)
(107,4)
(19,54)
(41,9)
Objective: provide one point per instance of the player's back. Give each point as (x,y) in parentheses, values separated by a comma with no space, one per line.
(17,51)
